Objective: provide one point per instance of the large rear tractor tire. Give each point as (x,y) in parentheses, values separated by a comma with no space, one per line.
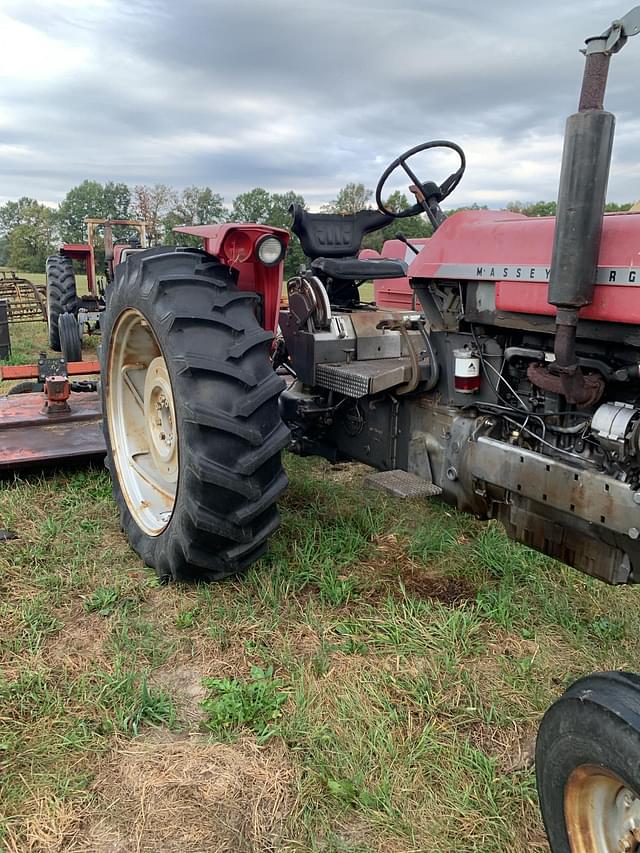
(588,766)
(70,337)
(192,427)
(62,295)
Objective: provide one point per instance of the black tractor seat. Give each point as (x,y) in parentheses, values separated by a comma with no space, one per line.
(335,235)
(355,269)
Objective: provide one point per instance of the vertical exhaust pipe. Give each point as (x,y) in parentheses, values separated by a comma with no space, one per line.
(584,176)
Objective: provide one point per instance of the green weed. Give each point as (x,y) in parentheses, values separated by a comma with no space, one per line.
(253,703)
(102,601)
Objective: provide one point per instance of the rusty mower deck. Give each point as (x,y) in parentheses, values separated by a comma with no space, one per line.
(55,425)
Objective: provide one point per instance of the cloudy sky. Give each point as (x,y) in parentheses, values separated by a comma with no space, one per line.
(303,95)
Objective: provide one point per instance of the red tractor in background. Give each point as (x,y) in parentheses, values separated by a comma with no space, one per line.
(70,313)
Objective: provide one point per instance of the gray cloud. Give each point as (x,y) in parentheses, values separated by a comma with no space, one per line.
(301,96)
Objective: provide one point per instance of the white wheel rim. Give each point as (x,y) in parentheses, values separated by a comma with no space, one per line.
(142,423)
(602,815)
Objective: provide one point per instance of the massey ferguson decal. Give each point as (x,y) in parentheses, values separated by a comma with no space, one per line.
(620,276)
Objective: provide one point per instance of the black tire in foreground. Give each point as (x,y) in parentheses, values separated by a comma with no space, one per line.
(192,427)
(62,295)
(70,337)
(588,766)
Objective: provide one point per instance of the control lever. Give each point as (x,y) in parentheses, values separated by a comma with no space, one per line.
(400,236)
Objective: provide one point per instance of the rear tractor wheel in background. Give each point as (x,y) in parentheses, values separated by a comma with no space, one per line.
(70,337)
(588,766)
(192,427)
(62,295)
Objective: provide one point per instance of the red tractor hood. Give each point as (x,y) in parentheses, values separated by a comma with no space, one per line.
(514,251)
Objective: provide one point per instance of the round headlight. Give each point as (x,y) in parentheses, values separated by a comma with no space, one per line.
(270,250)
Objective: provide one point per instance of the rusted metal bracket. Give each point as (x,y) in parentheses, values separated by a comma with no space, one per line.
(57,391)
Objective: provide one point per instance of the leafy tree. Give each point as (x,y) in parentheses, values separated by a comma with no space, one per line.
(474,206)
(612,207)
(152,204)
(193,206)
(14,213)
(32,239)
(252,206)
(351,198)
(538,208)
(199,206)
(92,199)
(549,208)
(279,215)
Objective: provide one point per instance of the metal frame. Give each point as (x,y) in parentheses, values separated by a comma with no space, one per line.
(5,337)
(26,301)
(85,251)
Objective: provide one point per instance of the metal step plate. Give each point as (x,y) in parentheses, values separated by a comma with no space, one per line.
(401,484)
(361,378)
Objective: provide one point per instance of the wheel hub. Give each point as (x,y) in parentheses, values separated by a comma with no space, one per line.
(602,814)
(160,418)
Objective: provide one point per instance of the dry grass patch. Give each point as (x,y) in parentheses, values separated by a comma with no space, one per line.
(512,747)
(184,684)
(50,826)
(80,643)
(391,567)
(189,795)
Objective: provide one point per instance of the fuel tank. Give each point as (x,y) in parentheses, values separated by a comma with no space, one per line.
(514,252)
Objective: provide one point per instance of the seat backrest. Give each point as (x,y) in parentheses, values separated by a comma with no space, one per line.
(334,235)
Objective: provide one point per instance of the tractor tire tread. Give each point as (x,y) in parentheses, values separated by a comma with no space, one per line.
(62,294)
(230,430)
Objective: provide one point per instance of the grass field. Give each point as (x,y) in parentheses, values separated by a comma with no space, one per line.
(373,684)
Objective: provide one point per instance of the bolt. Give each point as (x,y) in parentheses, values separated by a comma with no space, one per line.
(636,498)
(634,532)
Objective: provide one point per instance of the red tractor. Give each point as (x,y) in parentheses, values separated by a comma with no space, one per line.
(69,313)
(510,388)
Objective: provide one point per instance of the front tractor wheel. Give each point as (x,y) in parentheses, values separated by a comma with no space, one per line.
(192,427)
(588,766)
(70,337)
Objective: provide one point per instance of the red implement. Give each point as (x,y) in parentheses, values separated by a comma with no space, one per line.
(30,371)
(30,437)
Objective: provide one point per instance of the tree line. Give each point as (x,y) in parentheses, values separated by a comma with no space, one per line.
(30,231)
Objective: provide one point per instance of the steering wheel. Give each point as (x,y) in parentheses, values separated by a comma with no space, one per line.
(428,194)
